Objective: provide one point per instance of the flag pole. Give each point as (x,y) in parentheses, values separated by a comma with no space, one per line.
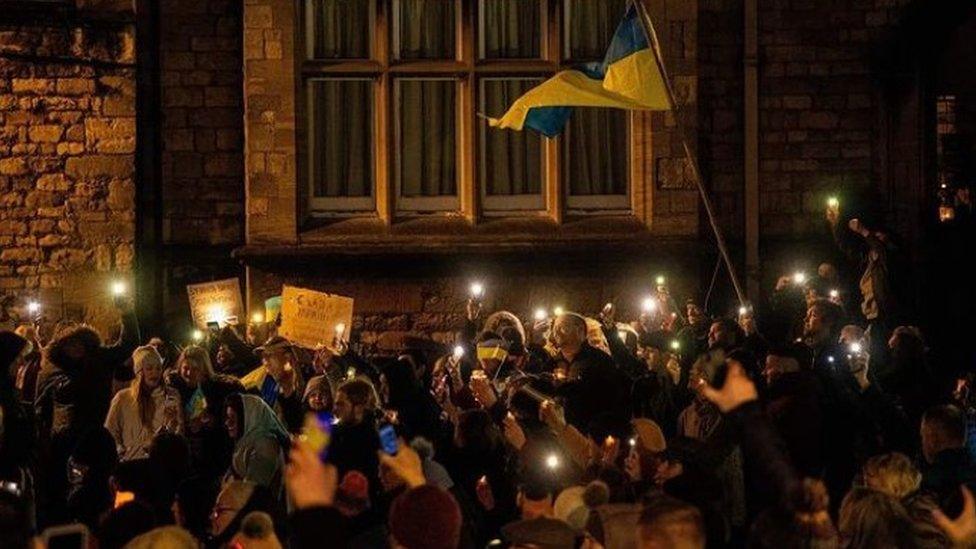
(692,159)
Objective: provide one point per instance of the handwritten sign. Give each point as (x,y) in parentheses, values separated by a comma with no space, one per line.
(215,302)
(311,318)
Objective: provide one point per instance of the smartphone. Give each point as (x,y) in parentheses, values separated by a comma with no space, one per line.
(388,439)
(68,536)
(317,432)
(213,325)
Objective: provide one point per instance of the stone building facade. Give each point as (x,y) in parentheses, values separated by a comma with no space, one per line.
(212,184)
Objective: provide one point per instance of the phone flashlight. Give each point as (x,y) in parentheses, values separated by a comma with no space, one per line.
(257,318)
(743,310)
(660,280)
(675,345)
(552,461)
(557,311)
(854,348)
(833,202)
(799,277)
(834,294)
(340,329)
(540,314)
(33,307)
(632,441)
(118,288)
(649,304)
(477,290)
(458,352)
(622,334)
(197,335)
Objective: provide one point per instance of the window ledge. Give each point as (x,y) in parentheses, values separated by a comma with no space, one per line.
(442,236)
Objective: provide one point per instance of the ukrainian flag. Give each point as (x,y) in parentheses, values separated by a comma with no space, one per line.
(628,78)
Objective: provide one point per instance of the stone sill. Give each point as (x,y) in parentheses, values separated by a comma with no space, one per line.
(454,235)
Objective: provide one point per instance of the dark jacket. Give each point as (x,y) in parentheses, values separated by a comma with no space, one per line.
(597,387)
(948,470)
(793,403)
(315,527)
(73,394)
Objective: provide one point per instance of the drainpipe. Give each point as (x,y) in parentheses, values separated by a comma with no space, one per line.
(751,105)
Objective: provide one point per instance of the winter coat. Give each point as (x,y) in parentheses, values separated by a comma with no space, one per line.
(73,393)
(131,436)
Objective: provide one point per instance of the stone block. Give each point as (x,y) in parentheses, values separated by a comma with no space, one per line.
(100,166)
(111,135)
(47,133)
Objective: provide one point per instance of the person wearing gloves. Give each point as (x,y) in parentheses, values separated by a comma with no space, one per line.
(145,408)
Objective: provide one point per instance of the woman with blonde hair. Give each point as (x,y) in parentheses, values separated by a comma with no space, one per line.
(143,409)
(895,474)
(202,395)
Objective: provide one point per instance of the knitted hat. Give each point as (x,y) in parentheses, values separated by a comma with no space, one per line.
(649,435)
(147,355)
(425,517)
(353,493)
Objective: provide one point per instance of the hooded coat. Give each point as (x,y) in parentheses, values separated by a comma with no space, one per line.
(74,390)
(259,450)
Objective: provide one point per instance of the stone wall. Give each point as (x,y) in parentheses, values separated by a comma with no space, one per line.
(201,156)
(819,108)
(202,122)
(67,144)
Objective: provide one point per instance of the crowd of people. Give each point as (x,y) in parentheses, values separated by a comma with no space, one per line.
(818,423)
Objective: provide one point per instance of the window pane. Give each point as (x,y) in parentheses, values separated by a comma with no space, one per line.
(342,146)
(425,29)
(512,161)
(340,29)
(510,29)
(427,121)
(590,26)
(596,152)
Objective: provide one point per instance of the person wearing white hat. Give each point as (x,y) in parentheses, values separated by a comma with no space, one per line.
(145,408)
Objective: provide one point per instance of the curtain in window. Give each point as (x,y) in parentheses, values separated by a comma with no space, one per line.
(596,152)
(591,26)
(511,29)
(426,29)
(340,29)
(427,138)
(512,160)
(342,112)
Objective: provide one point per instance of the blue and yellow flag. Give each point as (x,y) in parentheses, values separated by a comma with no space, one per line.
(628,78)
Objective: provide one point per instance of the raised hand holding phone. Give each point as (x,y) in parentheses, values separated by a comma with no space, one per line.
(405,464)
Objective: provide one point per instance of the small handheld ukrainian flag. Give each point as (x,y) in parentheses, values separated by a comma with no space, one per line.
(629,77)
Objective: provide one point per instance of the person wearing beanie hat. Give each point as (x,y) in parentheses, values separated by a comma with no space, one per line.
(574,504)
(425,517)
(257,532)
(144,408)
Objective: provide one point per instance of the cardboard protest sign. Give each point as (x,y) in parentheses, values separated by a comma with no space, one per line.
(310,318)
(215,302)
